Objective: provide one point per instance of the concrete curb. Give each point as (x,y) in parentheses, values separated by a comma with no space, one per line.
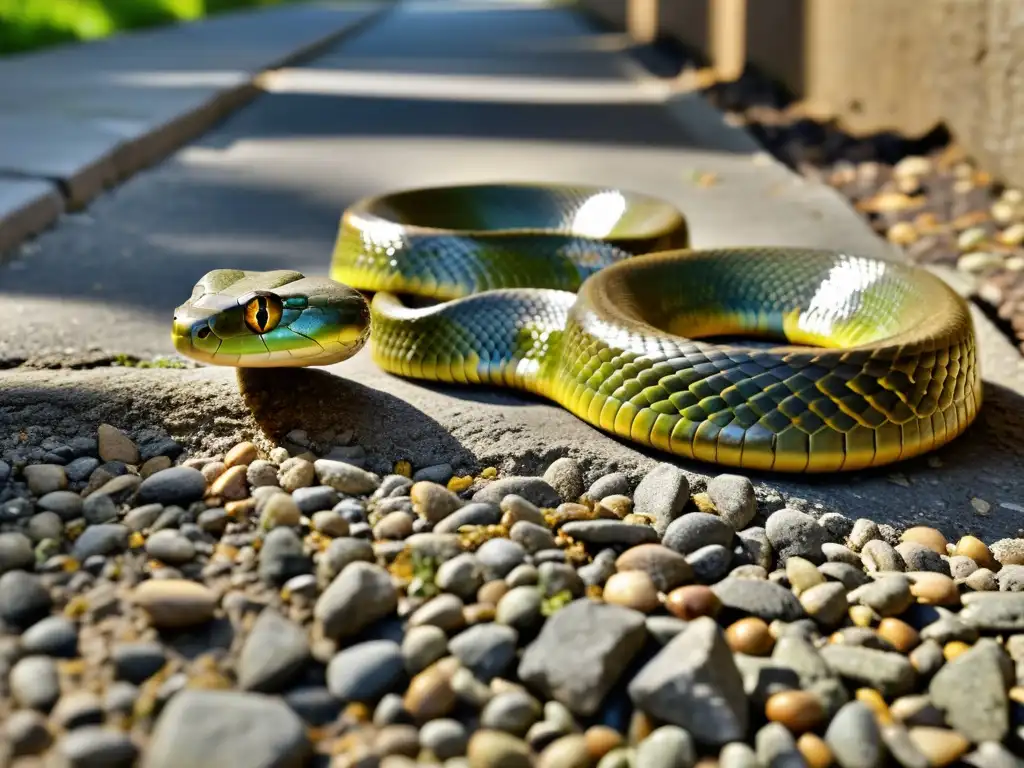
(33,200)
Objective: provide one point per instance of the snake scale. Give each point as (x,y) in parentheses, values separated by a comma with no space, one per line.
(594,299)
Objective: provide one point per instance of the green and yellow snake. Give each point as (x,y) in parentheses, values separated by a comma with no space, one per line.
(591,297)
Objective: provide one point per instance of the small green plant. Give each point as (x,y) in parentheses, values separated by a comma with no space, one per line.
(556,602)
(424,574)
(130,361)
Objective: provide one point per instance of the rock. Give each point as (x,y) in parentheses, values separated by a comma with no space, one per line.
(531,536)
(694,530)
(444,611)
(693,601)
(16,552)
(445,738)
(66,504)
(496,749)
(282,557)
(825,603)
(106,539)
(890,673)
(34,682)
(972,691)
(565,476)
(177,485)
(430,693)
(795,533)
(136,662)
(462,575)
(24,599)
(345,478)
(610,532)
(764,599)
(433,502)
(341,552)
(297,472)
(169,546)
(534,489)
(667,568)
(175,603)
(359,596)
(45,478)
(474,513)
(854,737)
(26,733)
(511,711)
(738,755)
(775,746)
(632,589)
(422,646)
(76,709)
(879,556)
(754,546)
(230,485)
(939,746)
(734,500)
(667,747)
(261,474)
(243,453)
(273,654)
(613,484)
(710,564)
(54,636)
(94,745)
(568,751)
(661,495)
(520,608)
(280,510)
(581,652)
(487,650)
(115,445)
(366,671)
(918,557)
(993,611)
(497,557)
(887,596)
(693,683)
(210,728)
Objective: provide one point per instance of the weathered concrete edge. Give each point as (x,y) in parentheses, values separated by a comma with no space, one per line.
(37,204)
(159,142)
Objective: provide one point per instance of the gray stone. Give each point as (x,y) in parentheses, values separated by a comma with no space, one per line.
(462,576)
(1011,578)
(826,603)
(55,636)
(693,683)
(341,552)
(993,611)
(16,552)
(520,608)
(26,733)
(738,755)
(764,599)
(175,485)
(99,508)
(209,728)
(436,473)
(273,654)
(794,533)
(282,557)
(667,747)
(754,545)
(80,469)
(531,536)
(610,532)
(612,484)
(879,556)
(67,504)
(444,737)
(77,709)
(106,539)
(93,746)
(887,596)
(511,711)
(710,564)
(366,671)
(799,654)
(917,557)
(315,498)
(581,652)
(474,513)
(24,599)
(667,568)
(566,477)
(444,611)
(534,489)
(499,556)
(854,737)
(422,646)
(972,691)
(345,478)
(169,546)
(661,495)
(45,525)
(136,662)
(664,628)
(34,683)
(45,478)
(850,576)
(776,747)
(890,673)
(991,755)
(694,530)
(359,596)
(487,650)
(734,500)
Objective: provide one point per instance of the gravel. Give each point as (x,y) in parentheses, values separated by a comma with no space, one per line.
(542,623)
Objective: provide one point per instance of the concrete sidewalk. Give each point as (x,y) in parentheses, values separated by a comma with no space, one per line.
(432,93)
(76,119)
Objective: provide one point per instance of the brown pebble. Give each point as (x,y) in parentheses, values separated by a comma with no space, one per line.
(814,750)
(632,589)
(155,464)
(242,454)
(640,727)
(618,505)
(975,549)
(926,537)
(940,746)
(750,635)
(568,751)
(212,470)
(230,486)
(115,445)
(478,613)
(861,615)
(935,589)
(175,603)
(492,591)
(496,749)
(798,710)
(876,703)
(601,740)
(692,602)
(903,637)
(954,648)
(666,567)
(430,695)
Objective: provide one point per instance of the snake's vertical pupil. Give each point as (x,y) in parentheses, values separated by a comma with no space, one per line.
(263,313)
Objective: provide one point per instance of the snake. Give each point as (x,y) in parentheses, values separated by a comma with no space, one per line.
(790,359)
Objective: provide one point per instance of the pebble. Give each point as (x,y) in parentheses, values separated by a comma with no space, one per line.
(825,603)
(169,546)
(579,675)
(854,737)
(26,733)
(710,564)
(566,752)
(66,504)
(520,608)
(566,477)
(693,601)
(512,711)
(666,568)
(887,596)
(497,749)
(799,711)
(764,599)
(282,557)
(273,654)
(444,611)
(54,636)
(34,682)
(115,445)
(791,532)
(16,552)
(77,709)
(444,738)
(695,530)
(939,746)
(487,650)
(210,727)
(136,662)
(360,595)
(24,600)
(612,484)
(430,693)
(534,489)
(668,746)
(422,646)
(750,636)
(175,603)
(733,498)
(632,589)
(433,502)
(344,478)
(693,683)
(661,495)
(177,485)
(474,513)
(497,557)
(45,478)
(610,532)
(366,671)
(532,537)
(888,672)
(972,691)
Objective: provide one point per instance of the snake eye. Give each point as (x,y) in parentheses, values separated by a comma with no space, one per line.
(203,332)
(263,313)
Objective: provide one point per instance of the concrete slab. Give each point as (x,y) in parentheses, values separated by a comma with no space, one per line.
(266,189)
(27,207)
(90,114)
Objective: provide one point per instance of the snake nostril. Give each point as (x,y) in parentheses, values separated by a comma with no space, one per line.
(203,332)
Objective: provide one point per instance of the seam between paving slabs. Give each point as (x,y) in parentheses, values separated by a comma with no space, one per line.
(41,210)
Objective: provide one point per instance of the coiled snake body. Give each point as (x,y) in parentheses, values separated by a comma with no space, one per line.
(591,298)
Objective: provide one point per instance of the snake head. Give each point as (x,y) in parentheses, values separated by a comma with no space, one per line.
(276,319)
